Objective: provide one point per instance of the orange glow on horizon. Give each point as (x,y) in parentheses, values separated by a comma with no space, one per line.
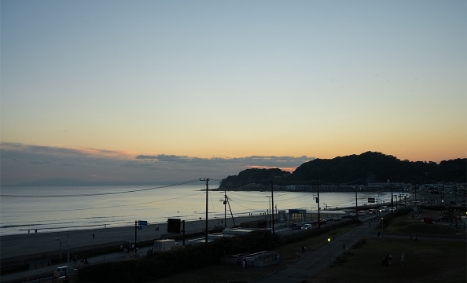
(288,169)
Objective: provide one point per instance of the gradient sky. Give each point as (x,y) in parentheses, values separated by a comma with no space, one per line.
(267,83)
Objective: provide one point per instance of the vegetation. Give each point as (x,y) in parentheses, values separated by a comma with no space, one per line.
(407,224)
(424,261)
(249,176)
(164,264)
(366,167)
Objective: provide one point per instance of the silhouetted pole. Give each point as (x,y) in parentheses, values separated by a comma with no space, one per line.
(206,229)
(272,205)
(356,202)
(317,200)
(225,208)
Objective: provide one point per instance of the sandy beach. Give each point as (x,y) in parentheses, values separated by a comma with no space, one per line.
(43,245)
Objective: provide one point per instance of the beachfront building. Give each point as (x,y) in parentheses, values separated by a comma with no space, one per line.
(303,215)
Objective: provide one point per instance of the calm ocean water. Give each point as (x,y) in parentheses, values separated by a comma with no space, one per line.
(52,209)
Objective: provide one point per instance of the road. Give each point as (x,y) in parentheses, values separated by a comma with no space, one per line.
(301,269)
(316,260)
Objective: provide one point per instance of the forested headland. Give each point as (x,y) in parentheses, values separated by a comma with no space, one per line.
(368,167)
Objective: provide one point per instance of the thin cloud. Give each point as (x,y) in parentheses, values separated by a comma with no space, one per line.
(106,152)
(22,163)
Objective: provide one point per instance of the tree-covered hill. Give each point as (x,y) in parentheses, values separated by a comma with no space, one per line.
(254,175)
(366,167)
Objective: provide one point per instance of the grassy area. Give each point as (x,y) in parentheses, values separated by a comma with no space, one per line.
(406,225)
(424,261)
(227,272)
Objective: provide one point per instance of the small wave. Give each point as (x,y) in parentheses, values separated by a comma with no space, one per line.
(20,225)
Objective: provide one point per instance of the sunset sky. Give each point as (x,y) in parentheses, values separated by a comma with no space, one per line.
(169,90)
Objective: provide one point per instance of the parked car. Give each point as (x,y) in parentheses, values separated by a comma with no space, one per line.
(306,226)
(336,218)
(296,227)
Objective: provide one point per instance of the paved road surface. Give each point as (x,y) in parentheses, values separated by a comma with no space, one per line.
(314,261)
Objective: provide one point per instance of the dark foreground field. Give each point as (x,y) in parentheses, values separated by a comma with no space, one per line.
(424,261)
(439,255)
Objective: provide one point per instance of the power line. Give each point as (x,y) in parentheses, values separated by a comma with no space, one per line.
(114,206)
(99,194)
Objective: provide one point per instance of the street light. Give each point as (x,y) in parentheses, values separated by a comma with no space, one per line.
(329,252)
(57,239)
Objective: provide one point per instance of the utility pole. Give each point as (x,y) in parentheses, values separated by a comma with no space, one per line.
(272,204)
(317,201)
(392,196)
(356,202)
(225,208)
(268,218)
(206,229)
(415,187)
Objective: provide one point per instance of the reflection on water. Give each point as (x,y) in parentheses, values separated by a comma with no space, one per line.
(64,208)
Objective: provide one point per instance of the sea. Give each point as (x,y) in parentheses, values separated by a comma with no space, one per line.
(53,209)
